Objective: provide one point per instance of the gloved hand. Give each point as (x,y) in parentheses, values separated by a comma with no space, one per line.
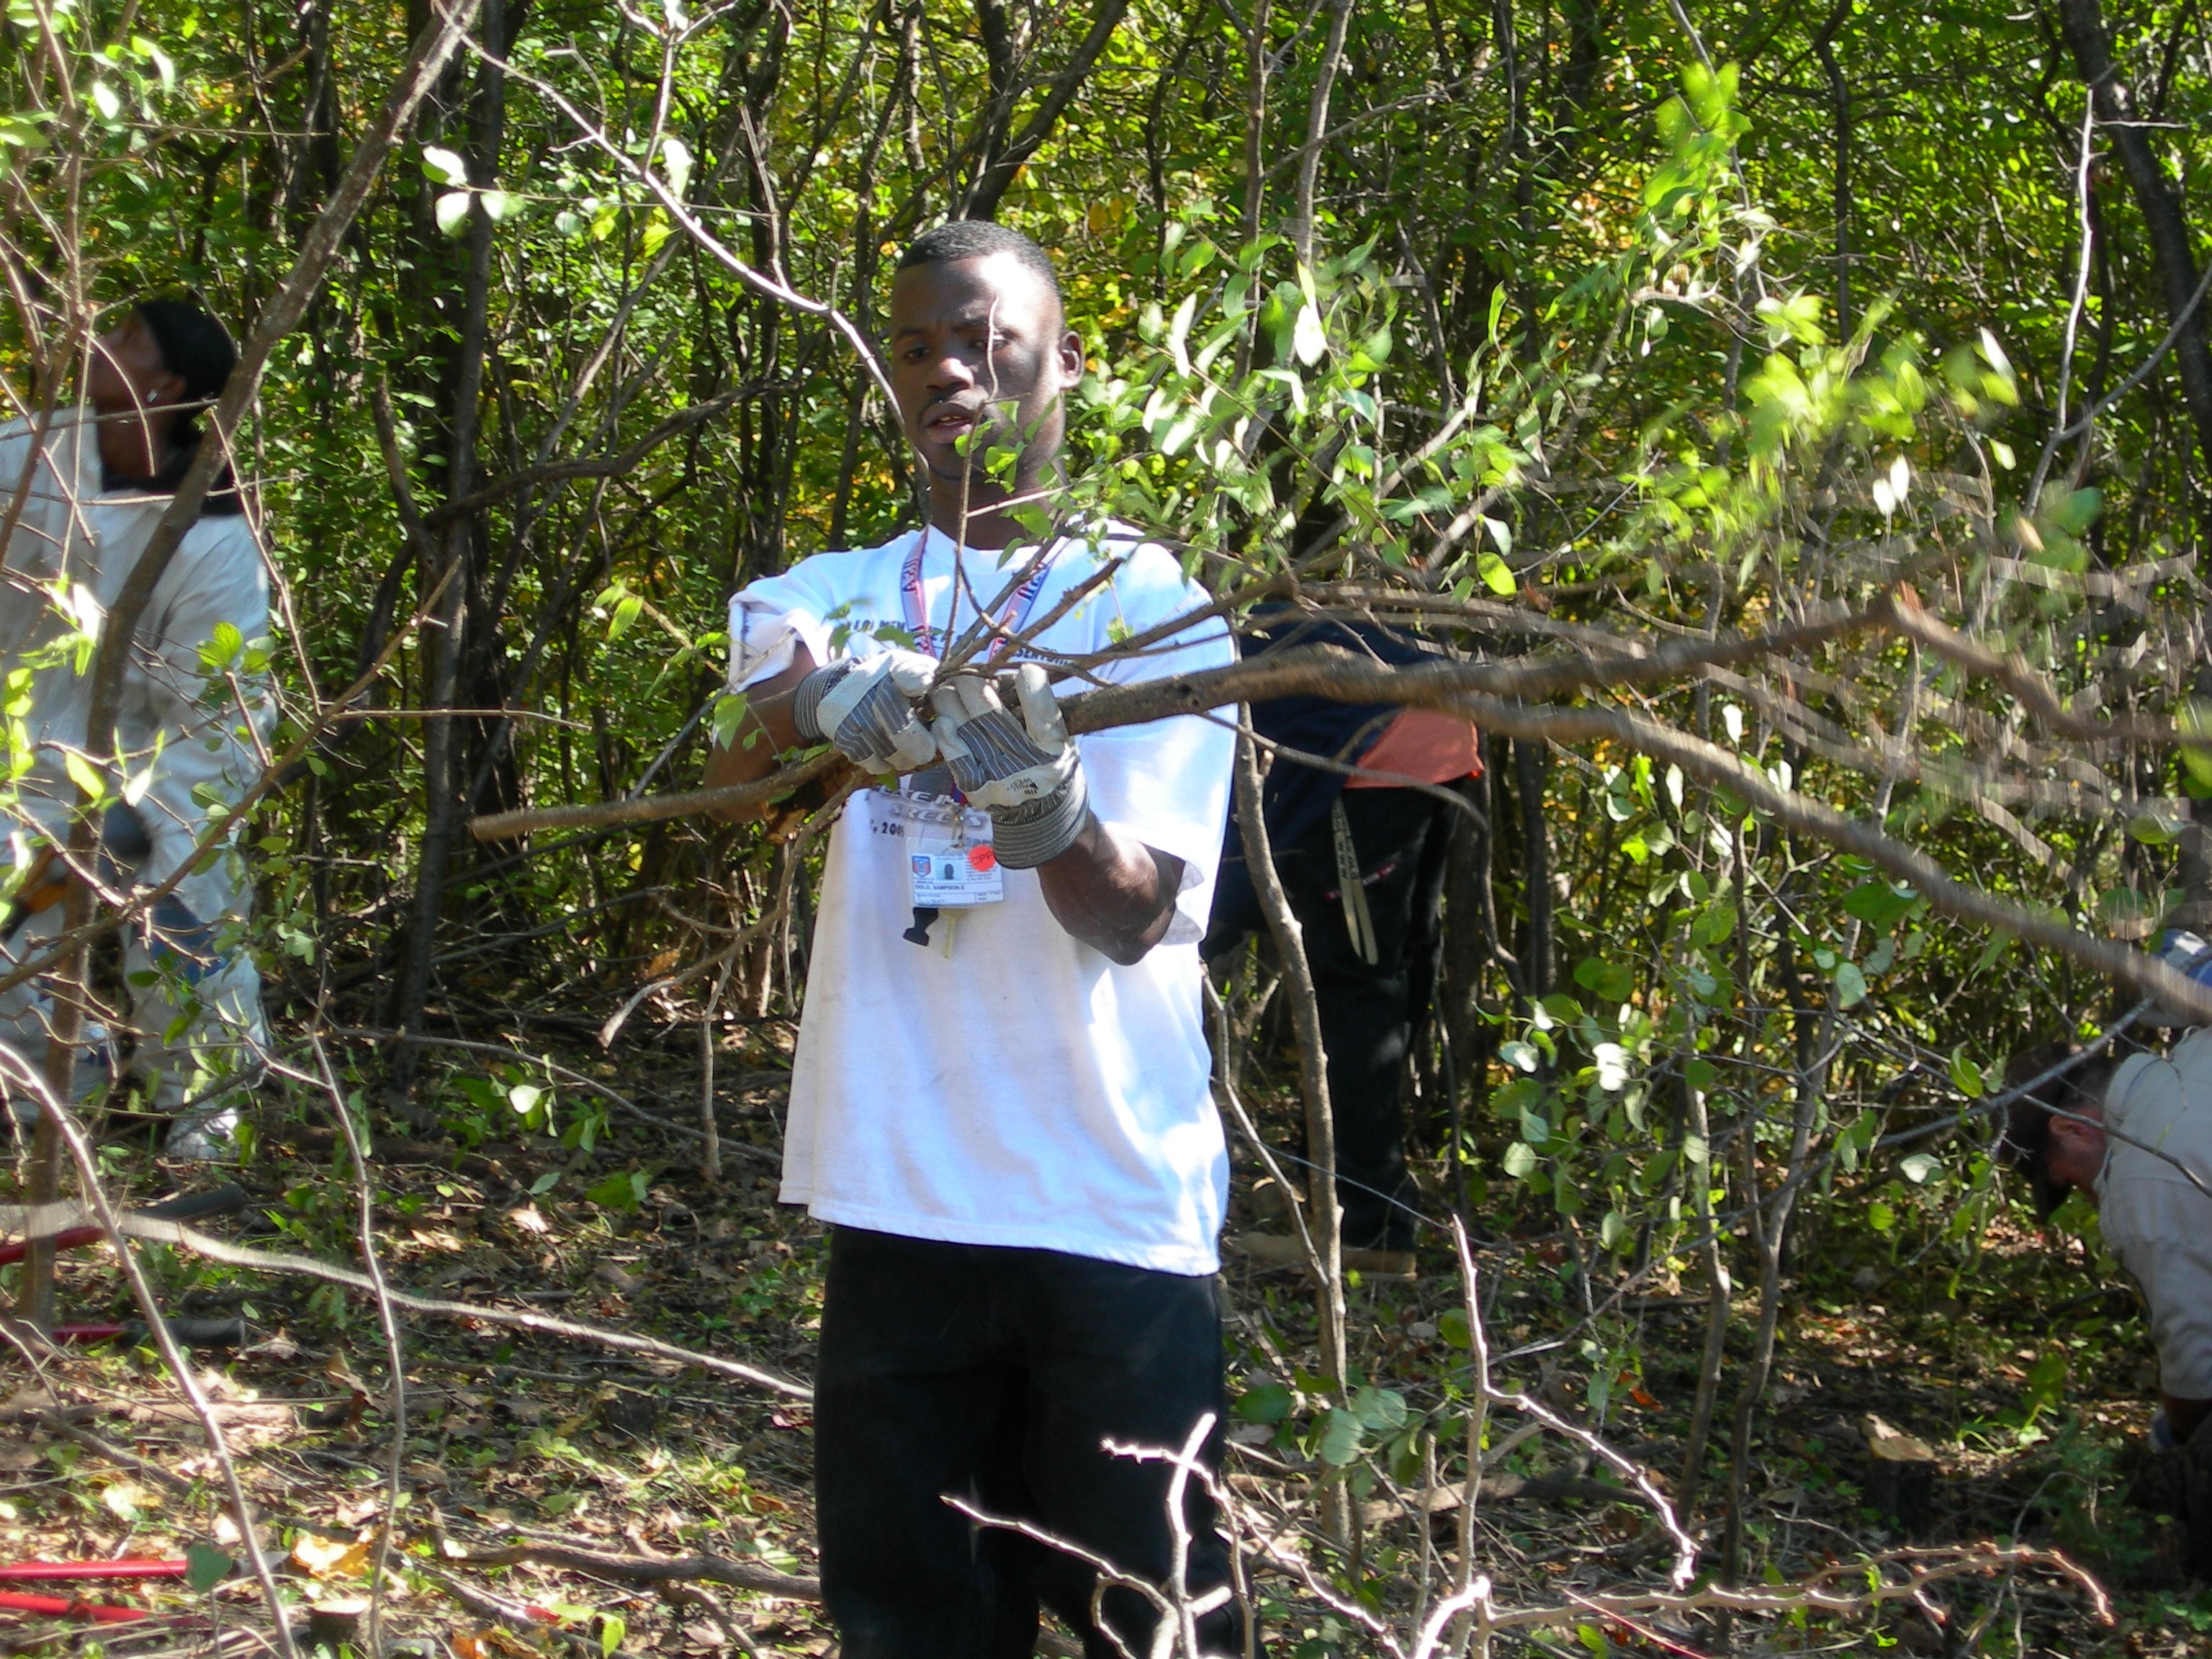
(868,706)
(1022,771)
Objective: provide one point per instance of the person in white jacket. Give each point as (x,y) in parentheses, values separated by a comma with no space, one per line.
(87,486)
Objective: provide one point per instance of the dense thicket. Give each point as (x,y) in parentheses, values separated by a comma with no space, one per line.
(1595,326)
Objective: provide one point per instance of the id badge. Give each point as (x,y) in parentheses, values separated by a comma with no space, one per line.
(950,863)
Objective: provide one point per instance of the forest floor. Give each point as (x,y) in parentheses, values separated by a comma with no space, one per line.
(522,1444)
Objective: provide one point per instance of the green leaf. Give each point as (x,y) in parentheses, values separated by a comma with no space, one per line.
(675,162)
(2196,721)
(105,100)
(2076,510)
(1850,985)
(1714,926)
(1179,333)
(1607,981)
(1497,575)
(500,205)
(1878,904)
(84,774)
(729,713)
(625,1191)
(1520,1159)
(452,211)
(1919,1167)
(444,166)
(1269,1402)
(2149,828)
(1880,1217)
(612,1629)
(1309,340)
(206,1566)
(1382,1411)
(1965,1076)
(626,612)
(1451,1325)
(1340,1438)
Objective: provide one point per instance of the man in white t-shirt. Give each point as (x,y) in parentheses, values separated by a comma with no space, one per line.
(1000,1098)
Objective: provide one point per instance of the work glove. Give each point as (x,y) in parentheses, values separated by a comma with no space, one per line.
(1021,769)
(868,706)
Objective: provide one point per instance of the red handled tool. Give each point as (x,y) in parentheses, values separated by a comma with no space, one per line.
(142,1567)
(67,1606)
(192,1206)
(62,1606)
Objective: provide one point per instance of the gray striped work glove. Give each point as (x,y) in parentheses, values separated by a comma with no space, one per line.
(869,708)
(1022,769)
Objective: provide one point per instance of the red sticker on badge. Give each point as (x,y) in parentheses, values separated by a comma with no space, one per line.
(983,858)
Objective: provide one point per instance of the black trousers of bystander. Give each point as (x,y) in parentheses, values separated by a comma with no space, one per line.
(1370,1012)
(998,1376)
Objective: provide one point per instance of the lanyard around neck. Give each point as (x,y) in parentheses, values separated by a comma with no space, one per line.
(1015,618)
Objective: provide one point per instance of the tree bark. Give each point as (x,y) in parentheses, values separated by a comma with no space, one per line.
(448,619)
(996,178)
(2156,198)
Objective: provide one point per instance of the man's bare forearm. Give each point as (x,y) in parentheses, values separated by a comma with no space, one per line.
(762,736)
(1112,892)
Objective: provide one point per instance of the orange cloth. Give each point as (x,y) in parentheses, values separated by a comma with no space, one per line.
(1421,745)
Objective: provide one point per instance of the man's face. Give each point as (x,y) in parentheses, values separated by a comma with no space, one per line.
(978,348)
(127,373)
(2076,1153)
(134,393)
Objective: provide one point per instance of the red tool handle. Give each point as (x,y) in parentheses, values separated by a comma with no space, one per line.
(189,1206)
(106,1333)
(27,1572)
(62,1607)
(68,1239)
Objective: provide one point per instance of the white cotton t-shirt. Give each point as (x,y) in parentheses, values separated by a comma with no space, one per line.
(2154,1219)
(1005,1084)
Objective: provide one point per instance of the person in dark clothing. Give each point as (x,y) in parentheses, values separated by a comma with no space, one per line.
(1361,851)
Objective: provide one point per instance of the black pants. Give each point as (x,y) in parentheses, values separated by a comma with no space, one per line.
(1370,1012)
(994,1376)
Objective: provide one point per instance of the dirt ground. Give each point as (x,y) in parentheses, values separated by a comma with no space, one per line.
(545,1482)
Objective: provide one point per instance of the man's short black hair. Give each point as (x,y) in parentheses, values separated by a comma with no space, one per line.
(2026,1138)
(198,351)
(194,347)
(977,238)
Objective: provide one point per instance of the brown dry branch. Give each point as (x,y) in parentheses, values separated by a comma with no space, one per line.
(1322,671)
(772,916)
(284,1261)
(752,1576)
(530,1623)
(1234,1108)
(1325,1241)
(387,1321)
(1819,1593)
(1311,672)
